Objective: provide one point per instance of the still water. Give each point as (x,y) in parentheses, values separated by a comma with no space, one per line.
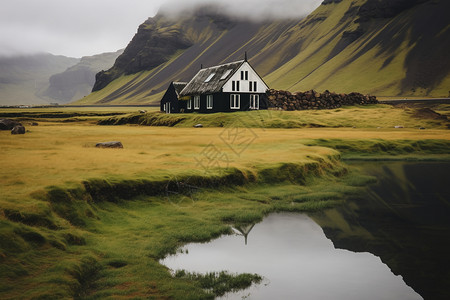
(365,249)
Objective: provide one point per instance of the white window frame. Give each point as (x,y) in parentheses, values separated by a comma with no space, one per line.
(196,102)
(189,104)
(209,101)
(235,101)
(254,101)
(235,86)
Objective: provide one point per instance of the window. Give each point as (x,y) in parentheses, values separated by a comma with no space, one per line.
(235,86)
(225,75)
(210,77)
(254,101)
(235,101)
(250,86)
(196,102)
(254,86)
(209,101)
(189,104)
(244,75)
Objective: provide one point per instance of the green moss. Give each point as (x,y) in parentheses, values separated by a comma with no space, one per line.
(372,148)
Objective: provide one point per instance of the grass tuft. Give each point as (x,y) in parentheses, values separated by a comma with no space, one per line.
(220,283)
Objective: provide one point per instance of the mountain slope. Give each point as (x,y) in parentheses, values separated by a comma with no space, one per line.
(78,80)
(398,50)
(23,78)
(382,47)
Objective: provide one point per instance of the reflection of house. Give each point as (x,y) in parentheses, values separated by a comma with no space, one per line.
(225,88)
(243,230)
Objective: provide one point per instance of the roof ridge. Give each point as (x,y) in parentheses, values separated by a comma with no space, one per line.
(217,66)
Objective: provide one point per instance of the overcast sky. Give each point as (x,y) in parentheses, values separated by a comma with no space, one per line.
(86,27)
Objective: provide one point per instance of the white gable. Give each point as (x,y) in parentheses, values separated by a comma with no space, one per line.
(250,77)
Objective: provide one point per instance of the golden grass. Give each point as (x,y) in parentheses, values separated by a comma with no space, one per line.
(59,154)
(56,154)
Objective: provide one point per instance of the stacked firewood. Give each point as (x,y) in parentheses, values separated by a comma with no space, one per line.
(314,100)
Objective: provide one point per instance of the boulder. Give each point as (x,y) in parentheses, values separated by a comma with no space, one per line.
(8,124)
(109,145)
(198,126)
(18,129)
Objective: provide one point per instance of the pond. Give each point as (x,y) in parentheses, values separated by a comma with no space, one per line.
(390,244)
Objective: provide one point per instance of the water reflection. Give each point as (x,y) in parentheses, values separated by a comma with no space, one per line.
(298,262)
(243,230)
(404,219)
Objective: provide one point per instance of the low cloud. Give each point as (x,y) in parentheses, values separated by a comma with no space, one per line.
(85,27)
(70,27)
(248,9)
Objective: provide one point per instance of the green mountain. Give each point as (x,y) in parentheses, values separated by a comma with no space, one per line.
(77,81)
(381,47)
(24,78)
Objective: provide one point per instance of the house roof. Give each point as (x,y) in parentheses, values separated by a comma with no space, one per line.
(179,86)
(211,80)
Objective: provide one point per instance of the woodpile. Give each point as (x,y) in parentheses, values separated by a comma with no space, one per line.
(313,100)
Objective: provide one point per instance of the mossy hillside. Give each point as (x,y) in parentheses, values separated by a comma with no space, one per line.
(385,149)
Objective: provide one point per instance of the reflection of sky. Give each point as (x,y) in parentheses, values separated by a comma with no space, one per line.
(298,262)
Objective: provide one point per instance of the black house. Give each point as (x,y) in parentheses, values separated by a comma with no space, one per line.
(225,88)
(170,101)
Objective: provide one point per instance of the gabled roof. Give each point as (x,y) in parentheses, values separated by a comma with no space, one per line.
(211,80)
(179,86)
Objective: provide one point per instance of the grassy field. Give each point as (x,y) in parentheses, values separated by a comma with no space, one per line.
(77,221)
(367,117)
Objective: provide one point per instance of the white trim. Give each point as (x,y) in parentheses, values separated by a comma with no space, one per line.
(235,101)
(196,102)
(254,101)
(244,86)
(189,104)
(209,101)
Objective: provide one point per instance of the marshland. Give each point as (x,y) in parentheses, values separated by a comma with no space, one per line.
(79,221)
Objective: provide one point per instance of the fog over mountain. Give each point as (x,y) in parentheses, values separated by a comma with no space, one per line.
(249,9)
(85,27)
